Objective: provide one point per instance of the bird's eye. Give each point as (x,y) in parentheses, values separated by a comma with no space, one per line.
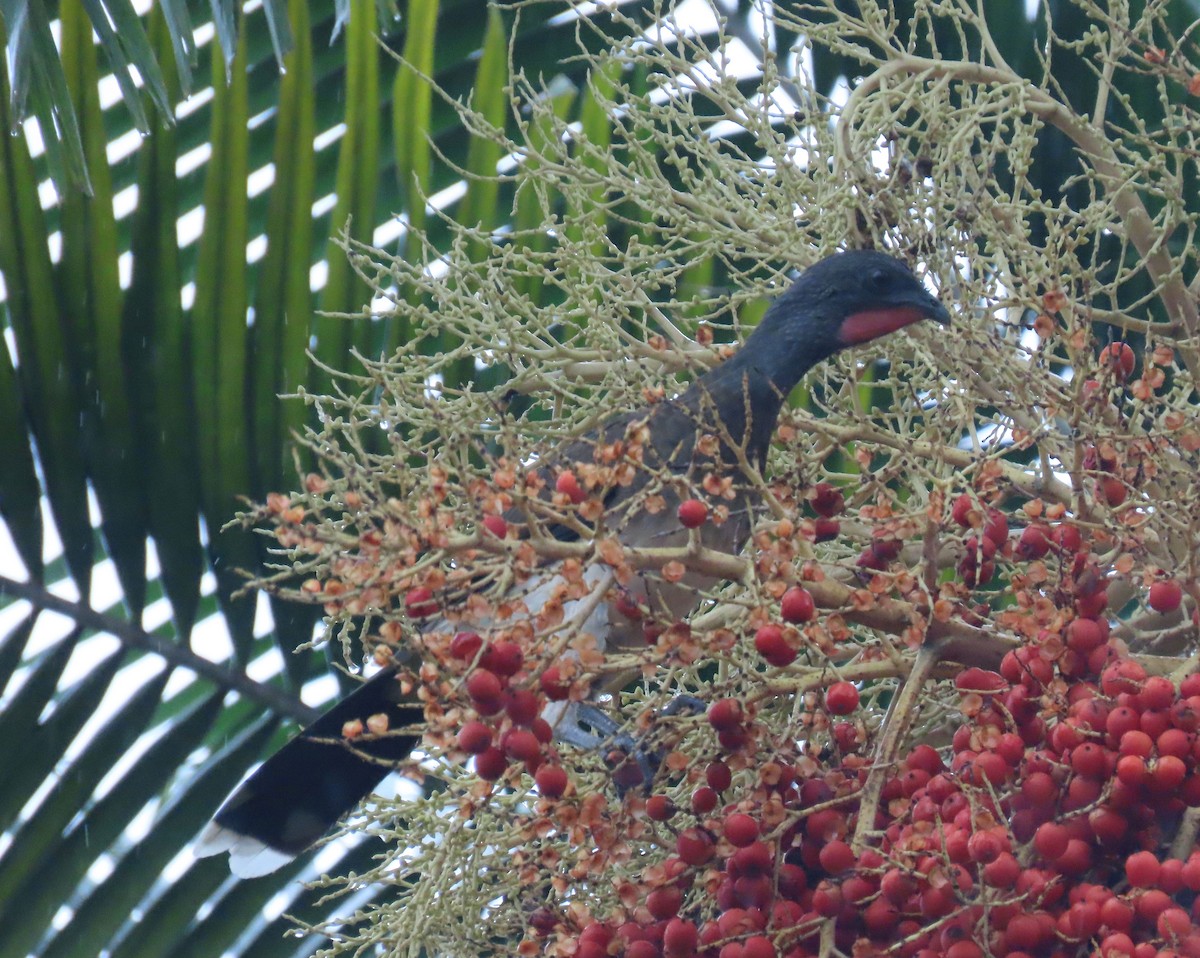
(878,281)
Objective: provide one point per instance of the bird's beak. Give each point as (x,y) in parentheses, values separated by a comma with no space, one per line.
(871,324)
(938,313)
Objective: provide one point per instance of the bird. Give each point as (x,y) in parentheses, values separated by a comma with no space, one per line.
(847,298)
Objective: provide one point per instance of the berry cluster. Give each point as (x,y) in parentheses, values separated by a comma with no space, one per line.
(509,730)
(1041,827)
(1036,838)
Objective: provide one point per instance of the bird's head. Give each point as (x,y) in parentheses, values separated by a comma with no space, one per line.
(845,299)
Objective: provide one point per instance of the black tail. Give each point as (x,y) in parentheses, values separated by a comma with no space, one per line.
(296,795)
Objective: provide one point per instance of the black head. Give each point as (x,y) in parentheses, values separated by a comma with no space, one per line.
(844,299)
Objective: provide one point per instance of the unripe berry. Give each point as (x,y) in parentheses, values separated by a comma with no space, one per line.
(496,526)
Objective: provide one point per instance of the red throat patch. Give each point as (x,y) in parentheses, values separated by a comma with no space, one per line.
(873,323)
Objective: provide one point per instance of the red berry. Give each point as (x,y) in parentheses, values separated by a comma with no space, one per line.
(827,500)
(419,602)
(1003,872)
(828,900)
(496,526)
(1167,775)
(1157,693)
(704,800)
(963,509)
(841,698)
(837,857)
(568,485)
(1174,742)
(694,846)
(1034,542)
(980,680)
(1066,537)
(1119,358)
(1112,490)
(985,846)
(680,938)
(1142,868)
(486,691)
(663,903)
(1083,635)
(1089,761)
(692,513)
(1173,924)
(1123,676)
(523,707)
(1051,840)
(725,714)
(772,646)
(504,658)
(825,530)
(758,946)
(718,776)
(553,686)
(474,737)
(995,529)
(551,780)
(1132,770)
(740,829)
(521,745)
(1135,742)
(1151,903)
(659,808)
(797,605)
(491,764)
(465,645)
(1165,596)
